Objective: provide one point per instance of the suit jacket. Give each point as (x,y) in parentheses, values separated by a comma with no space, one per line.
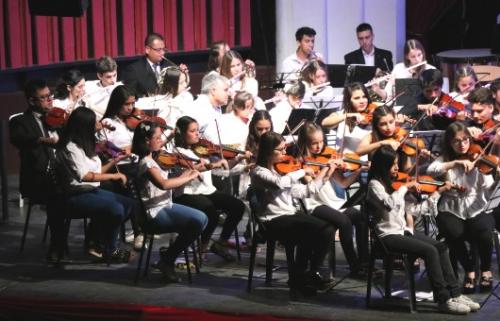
(24,134)
(356,57)
(141,77)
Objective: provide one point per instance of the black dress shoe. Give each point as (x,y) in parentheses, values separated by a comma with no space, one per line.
(168,272)
(321,284)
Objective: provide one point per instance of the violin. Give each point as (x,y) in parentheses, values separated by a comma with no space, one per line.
(352,161)
(108,150)
(473,153)
(427,184)
(368,114)
(137,116)
(448,107)
(56,118)
(488,130)
(409,146)
(206,148)
(167,160)
(289,164)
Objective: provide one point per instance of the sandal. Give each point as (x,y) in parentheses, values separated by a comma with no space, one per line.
(486,283)
(219,249)
(469,285)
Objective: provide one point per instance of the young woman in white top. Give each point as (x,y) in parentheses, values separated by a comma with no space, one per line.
(85,174)
(390,207)
(462,215)
(156,193)
(310,143)
(276,193)
(233,68)
(314,74)
(174,83)
(294,92)
(414,53)
(69,89)
(465,82)
(201,193)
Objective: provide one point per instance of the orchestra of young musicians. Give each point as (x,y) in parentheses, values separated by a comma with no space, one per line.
(244,140)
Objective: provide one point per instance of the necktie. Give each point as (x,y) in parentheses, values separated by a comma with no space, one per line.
(156,68)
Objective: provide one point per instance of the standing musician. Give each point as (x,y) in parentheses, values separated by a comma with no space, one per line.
(461,214)
(394,207)
(305,37)
(69,90)
(315,75)
(368,54)
(311,145)
(310,234)
(201,193)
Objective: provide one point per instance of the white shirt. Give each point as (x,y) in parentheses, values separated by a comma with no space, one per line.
(351,139)
(121,136)
(97,97)
(400,71)
(67,104)
(292,65)
(325,196)
(277,192)
(279,115)
(233,131)
(250,85)
(154,198)
(204,112)
(327,94)
(369,57)
(82,165)
(468,204)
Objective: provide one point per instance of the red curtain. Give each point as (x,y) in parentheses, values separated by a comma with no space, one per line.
(118,28)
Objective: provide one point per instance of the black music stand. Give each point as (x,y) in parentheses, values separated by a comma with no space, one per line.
(410,89)
(341,75)
(320,111)
(279,82)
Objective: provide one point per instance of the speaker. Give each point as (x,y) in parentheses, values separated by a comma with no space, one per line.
(58,8)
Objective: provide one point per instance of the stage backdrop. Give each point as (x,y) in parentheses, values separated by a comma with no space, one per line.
(118,28)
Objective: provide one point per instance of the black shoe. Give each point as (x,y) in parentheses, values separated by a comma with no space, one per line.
(168,272)
(299,286)
(321,284)
(221,250)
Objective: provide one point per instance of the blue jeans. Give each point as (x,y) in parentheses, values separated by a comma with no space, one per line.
(187,222)
(106,208)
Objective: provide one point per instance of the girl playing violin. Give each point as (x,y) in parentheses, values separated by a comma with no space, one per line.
(354,122)
(120,107)
(174,83)
(201,193)
(465,82)
(310,145)
(461,215)
(314,75)
(390,207)
(310,234)
(156,192)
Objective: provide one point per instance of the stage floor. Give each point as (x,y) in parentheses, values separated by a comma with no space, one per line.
(219,287)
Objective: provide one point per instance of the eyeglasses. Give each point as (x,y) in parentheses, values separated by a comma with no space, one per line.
(281,150)
(460,141)
(159,49)
(45,98)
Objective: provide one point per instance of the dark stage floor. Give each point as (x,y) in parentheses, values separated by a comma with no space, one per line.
(219,286)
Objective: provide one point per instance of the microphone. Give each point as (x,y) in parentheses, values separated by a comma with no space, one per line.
(386,65)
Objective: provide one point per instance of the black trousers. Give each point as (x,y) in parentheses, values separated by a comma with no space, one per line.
(310,234)
(437,261)
(210,205)
(478,231)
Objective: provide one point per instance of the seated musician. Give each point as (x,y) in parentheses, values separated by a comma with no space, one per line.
(495,91)
(465,82)
(69,90)
(314,75)
(293,64)
(482,127)
(174,82)
(295,92)
(217,51)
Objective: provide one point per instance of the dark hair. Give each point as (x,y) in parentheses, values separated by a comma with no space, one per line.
(305,131)
(296,88)
(414,44)
(304,31)
(253,138)
(152,37)
(32,86)
(213,55)
(451,131)
(309,70)
(364,27)
(105,64)
(170,80)
(495,85)
(481,96)
(225,65)
(69,78)
(462,72)
(380,167)
(80,129)
(431,78)
(118,97)
(378,113)
(144,131)
(181,128)
(267,144)
(346,103)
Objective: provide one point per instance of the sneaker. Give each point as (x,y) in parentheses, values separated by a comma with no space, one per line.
(138,240)
(95,251)
(474,306)
(451,306)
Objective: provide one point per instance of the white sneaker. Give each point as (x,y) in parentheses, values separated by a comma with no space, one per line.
(138,240)
(453,307)
(474,306)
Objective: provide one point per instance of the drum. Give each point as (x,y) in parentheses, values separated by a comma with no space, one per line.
(452,59)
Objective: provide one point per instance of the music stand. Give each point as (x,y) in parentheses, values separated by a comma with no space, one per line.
(279,82)
(320,111)
(341,75)
(411,89)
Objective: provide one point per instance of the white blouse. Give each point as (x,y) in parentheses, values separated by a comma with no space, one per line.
(400,71)
(121,136)
(279,115)
(232,130)
(154,198)
(82,165)
(351,139)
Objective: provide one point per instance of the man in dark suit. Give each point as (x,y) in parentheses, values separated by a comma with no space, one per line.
(143,74)
(368,54)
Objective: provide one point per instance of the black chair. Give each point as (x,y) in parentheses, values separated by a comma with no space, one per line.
(32,203)
(493,292)
(379,251)
(149,233)
(260,235)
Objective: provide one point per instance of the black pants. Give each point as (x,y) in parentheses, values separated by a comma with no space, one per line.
(343,222)
(311,235)
(210,205)
(437,261)
(478,231)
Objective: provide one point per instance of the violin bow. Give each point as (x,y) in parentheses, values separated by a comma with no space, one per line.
(220,141)
(294,141)
(181,155)
(106,137)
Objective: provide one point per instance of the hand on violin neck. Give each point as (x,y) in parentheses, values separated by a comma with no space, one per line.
(413,186)
(359,118)
(475,132)
(391,142)
(466,164)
